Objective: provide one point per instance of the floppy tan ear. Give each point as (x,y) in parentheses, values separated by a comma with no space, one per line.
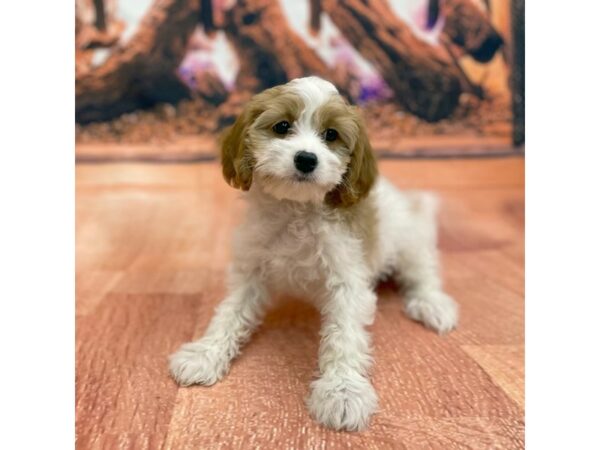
(237,161)
(361,173)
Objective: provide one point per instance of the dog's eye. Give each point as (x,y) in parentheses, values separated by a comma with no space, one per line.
(330,135)
(281,127)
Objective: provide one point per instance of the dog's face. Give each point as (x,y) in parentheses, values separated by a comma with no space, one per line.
(300,141)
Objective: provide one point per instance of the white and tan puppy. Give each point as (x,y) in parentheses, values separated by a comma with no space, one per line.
(323,226)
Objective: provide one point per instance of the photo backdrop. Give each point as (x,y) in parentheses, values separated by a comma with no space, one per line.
(159,79)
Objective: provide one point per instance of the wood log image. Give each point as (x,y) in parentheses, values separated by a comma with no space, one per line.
(315,17)
(518,70)
(96,24)
(422,76)
(270,52)
(420,72)
(469,28)
(207,17)
(100,15)
(142,72)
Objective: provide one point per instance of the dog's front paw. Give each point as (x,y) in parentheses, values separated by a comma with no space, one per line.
(342,403)
(436,310)
(198,363)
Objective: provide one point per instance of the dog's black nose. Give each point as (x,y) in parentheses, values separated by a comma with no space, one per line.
(305,162)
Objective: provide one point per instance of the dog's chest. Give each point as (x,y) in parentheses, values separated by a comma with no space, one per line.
(293,252)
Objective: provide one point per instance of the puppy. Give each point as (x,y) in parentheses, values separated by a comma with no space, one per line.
(321,225)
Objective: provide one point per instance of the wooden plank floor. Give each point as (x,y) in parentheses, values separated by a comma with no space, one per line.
(152,246)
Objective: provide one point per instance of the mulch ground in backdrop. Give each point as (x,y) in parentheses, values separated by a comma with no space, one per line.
(189,131)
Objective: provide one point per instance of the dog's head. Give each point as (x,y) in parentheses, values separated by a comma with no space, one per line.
(300,141)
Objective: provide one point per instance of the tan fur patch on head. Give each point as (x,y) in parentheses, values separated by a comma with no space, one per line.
(338,115)
(281,104)
(260,113)
(362,168)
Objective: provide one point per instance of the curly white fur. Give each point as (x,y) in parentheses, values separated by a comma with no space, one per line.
(295,243)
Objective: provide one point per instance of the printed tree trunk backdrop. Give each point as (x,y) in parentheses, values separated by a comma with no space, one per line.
(168,75)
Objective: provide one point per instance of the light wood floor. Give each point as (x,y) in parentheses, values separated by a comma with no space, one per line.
(152,246)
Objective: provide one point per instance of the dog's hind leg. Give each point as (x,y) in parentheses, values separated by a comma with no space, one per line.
(418,270)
